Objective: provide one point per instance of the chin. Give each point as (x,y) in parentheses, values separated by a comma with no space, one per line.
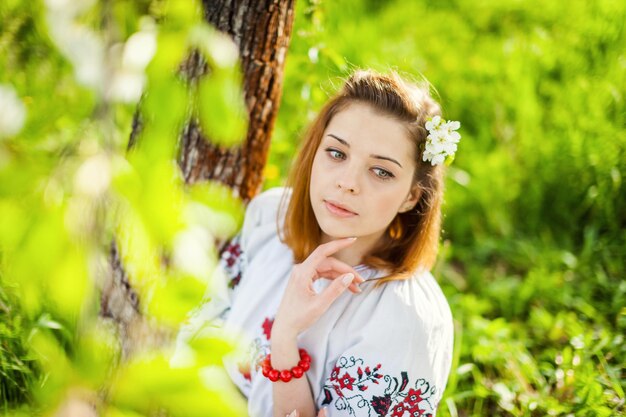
(337,230)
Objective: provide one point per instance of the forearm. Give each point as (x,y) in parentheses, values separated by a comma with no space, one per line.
(295,394)
(300,308)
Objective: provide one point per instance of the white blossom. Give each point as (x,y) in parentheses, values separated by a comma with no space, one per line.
(127,86)
(441,141)
(192,252)
(12,112)
(139,50)
(93,176)
(313,54)
(71,8)
(433,123)
(83,47)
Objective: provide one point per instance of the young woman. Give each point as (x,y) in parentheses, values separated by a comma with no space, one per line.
(330,275)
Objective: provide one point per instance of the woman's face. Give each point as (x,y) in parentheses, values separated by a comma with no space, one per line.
(362,174)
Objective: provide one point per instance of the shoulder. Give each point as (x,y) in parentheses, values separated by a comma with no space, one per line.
(407,329)
(260,226)
(263,218)
(264,208)
(415,314)
(402,355)
(266,203)
(416,305)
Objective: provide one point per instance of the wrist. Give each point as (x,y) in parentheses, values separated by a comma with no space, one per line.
(283,333)
(284,347)
(286,375)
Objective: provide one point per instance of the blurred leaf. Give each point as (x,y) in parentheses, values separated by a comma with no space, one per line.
(211,347)
(56,366)
(214,206)
(222,110)
(175,298)
(96,352)
(149,383)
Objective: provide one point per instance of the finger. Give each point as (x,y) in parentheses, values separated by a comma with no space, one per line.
(333,267)
(332,275)
(354,288)
(334,290)
(322,412)
(327,249)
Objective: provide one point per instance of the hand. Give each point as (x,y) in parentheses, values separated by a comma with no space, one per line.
(301,306)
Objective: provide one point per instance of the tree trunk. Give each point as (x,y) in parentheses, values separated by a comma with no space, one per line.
(262,31)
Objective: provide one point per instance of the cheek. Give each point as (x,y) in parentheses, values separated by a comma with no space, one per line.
(385,210)
(386,204)
(318,168)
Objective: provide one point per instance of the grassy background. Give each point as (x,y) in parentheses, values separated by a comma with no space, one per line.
(534,243)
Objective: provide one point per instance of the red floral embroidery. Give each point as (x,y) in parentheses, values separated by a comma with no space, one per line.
(397,399)
(232,261)
(413,397)
(346,381)
(234,251)
(267,327)
(381,404)
(398,410)
(244,370)
(416,412)
(234,281)
(258,350)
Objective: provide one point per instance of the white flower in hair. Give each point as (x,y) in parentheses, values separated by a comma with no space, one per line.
(441,142)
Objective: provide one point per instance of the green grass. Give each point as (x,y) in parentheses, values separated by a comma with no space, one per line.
(534,243)
(17,369)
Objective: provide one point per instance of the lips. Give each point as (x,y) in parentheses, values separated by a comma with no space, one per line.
(339,209)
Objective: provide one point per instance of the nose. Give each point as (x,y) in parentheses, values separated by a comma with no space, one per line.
(344,187)
(348,182)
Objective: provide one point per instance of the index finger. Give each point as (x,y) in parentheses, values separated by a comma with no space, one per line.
(327,249)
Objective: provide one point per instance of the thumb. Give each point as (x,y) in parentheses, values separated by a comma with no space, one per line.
(322,412)
(335,289)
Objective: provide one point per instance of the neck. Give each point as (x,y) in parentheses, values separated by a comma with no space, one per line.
(353,255)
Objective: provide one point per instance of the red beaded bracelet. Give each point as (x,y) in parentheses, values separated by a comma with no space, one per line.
(287,374)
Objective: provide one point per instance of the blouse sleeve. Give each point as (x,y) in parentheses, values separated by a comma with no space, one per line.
(219,295)
(398,364)
(259,225)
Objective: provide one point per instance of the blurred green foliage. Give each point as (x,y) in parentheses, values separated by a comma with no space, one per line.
(534,250)
(71,76)
(534,245)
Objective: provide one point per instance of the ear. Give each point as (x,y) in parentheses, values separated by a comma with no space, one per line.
(411,199)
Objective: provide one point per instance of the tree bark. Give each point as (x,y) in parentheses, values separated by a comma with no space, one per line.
(262,31)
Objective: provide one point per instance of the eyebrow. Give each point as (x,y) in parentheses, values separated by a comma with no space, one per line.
(386,158)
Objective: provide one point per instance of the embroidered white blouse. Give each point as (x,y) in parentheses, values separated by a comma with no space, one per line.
(386,351)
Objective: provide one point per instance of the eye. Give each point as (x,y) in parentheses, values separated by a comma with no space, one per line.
(335,153)
(383,174)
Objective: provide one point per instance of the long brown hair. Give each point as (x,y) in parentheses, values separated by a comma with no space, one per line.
(412,239)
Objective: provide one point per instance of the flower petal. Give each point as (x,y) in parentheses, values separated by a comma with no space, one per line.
(453,124)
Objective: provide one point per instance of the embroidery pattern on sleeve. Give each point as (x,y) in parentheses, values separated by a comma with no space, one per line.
(257,351)
(386,395)
(232,260)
